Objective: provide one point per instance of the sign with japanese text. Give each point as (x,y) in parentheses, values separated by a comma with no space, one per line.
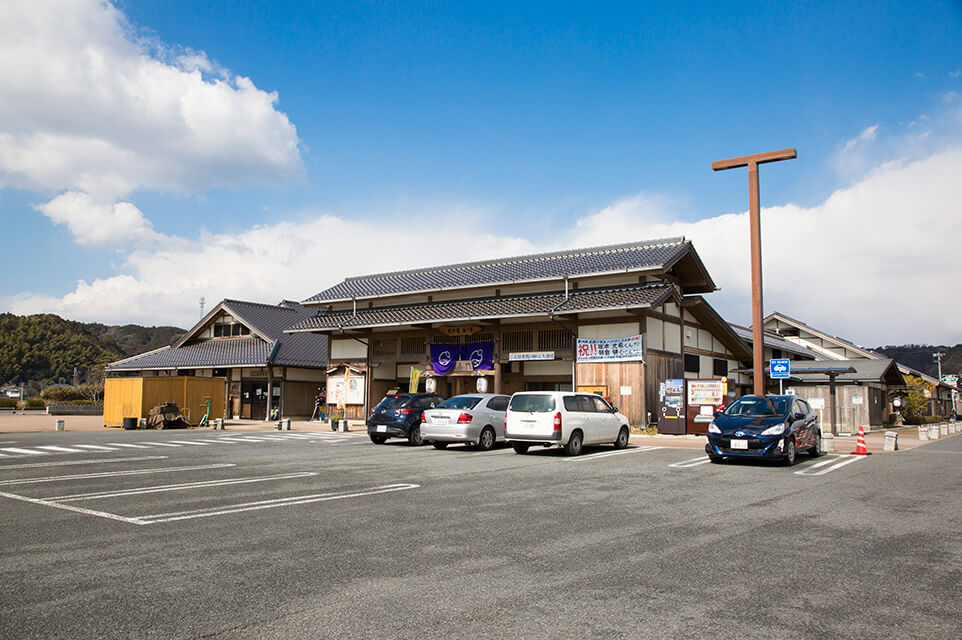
(616,350)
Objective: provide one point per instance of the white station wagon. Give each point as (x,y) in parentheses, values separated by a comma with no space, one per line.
(564,419)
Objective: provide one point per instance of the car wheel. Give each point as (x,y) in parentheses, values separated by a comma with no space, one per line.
(573,448)
(520,447)
(486,439)
(414,437)
(789,457)
(622,440)
(715,459)
(440,445)
(377,439)
(816,449)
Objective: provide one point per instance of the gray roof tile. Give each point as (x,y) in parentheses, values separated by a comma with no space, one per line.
(606,259)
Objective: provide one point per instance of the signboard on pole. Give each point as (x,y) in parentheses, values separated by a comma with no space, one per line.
(780,369)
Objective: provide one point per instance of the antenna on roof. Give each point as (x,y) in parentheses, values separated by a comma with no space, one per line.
(202,301)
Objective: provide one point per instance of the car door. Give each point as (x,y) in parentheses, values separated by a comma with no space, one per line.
(607,420)
(801,424)
(594,420)
(811,421)
(495,409)
(573,418)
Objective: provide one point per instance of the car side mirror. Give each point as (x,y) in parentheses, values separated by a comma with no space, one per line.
(718,410)
(799,416)
(614,409)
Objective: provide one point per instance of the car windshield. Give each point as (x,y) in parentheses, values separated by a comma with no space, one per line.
(534,403)
(393,402)
(755,406)
(460,402)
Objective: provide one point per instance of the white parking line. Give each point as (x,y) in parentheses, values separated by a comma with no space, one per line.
(68,463)
(177,487)
(24,451)
(94,447)
(110,474)
(61,449)
(128,445)
(267,504)
(595,456)
(162,444)
(840,462)
(199,444)
(694,462)
(67,507)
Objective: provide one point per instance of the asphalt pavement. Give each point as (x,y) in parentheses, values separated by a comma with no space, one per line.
(310,534)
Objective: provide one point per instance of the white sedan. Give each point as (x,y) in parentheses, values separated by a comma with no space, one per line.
(475,419)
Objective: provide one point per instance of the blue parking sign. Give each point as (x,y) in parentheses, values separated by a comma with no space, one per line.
(779,369)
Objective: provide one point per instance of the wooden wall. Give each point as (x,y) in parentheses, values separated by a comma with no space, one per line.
(661,366)
(613,376)
(135,397)
(299,397)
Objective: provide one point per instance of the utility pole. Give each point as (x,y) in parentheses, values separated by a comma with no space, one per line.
(755,223)
(938,356)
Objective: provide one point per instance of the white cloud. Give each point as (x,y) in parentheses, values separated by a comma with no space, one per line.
(97,224)
(85,105)
(874,263)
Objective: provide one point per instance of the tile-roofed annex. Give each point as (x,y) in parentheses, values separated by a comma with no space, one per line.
(775,341)
(268,341)
(578,301)
(636,256)
(829,345)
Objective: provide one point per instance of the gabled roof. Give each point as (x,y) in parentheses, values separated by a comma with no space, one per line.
(775,341)
(578,301)
(676,254)
(268,343)
(862,351)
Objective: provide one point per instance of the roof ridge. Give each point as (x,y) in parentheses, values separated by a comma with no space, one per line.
(276,307)
(595,250)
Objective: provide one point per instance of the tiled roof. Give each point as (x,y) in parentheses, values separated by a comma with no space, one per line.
(866,370)
(581,300)
(775,341)
(842,342)
(577,262)
(267,323)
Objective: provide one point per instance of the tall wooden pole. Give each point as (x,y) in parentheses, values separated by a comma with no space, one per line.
(755,224)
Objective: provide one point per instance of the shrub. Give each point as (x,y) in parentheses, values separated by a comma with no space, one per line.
(34,403)
(7,403)
(60,394)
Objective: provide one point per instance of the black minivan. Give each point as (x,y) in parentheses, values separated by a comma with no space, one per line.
(399,416)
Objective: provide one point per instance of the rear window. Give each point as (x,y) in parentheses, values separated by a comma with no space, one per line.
(533,403)
(460,402)
(394,402)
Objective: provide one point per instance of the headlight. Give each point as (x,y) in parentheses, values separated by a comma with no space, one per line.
(713,429)
(774,431)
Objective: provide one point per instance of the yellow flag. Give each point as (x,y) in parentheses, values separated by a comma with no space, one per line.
(415,379)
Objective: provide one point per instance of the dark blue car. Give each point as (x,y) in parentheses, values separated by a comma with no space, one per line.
(769,427)
(399,416)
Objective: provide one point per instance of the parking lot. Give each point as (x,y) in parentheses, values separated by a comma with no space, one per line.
(320,534)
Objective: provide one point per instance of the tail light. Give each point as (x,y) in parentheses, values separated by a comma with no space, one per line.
(464,418)
(404,412)
(557,421)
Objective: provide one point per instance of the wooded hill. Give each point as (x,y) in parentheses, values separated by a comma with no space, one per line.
(46,348)
(919,357)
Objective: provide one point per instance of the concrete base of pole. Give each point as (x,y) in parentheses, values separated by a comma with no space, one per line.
(923,433)
(828,443)
(59,425)
(891,441)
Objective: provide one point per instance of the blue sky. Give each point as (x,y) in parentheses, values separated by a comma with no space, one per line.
(407,134)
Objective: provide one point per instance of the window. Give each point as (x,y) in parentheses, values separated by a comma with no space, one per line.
(586,404)
(571,403)
(229,330)
(517,341)
(460,402)
(534,403)
(499,403)
(692,364)
(600,405)
(719,367)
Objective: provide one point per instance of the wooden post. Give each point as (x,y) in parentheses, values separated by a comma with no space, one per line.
(755,224)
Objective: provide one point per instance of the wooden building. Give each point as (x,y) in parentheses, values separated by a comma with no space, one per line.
(618,320)
(262,370)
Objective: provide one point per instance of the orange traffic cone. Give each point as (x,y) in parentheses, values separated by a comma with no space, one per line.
(860,448)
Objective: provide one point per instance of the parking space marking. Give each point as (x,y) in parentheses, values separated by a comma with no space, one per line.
(839,462)
(61,449)
(128,445)
(595,456)
(694,462)
(94,447)
(162,444)
(23,451)
(183,486)
(196,444)
(70,463)
(267,504)
(68,507)
(110,474)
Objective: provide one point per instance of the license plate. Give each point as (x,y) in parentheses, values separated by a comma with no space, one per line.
(440,419)
(382,428)
(739,444)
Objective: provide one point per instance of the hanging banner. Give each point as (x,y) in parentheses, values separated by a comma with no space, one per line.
(480,354)
(415,378)
(617,350)
(444,357)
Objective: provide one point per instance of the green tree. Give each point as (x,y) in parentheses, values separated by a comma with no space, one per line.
(916,400)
